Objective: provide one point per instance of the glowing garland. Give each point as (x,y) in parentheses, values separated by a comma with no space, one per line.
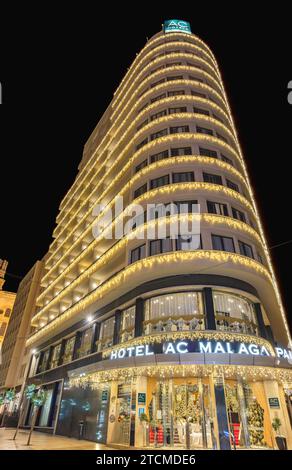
(169,189)
(208,218)
(144,265)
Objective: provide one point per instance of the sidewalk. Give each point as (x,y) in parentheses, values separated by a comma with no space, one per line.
(42,441)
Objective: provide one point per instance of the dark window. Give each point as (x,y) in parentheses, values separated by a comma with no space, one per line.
(237,214)
(221,137)
(140,190)
(245,249)
(7,312)
(143,107)
(159,97)
(218,118)
(232,185)
(223,243)
(226,159)
(172,64)
(179,129)
(175,77)
(161,181)
(141,165)
(158,115)
(159,156)
(69,348)
(158,134)
(196,79)
(207,152)
(187,207)
(144,142)
(217,208)
(196,93)
(180,151)
(139,219)
(142,124)
(85,343)
(203,130)
(183,177)
(157,83)
(209,178)
(188,242)
(260,258)
(160,246)
(176,93)
(138,253)
(177,110)
(55,356)
(201,111)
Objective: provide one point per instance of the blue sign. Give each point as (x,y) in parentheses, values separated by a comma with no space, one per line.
(171,26)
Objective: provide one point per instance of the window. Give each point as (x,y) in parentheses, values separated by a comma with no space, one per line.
(260,258)
(7,312)
(172,64)
(179,129)
(232,185)
(85,343)
(55,356)
(174,305)
(207,152)
(159,156)
(196,93)
(214,179)
(188,242)
(174,77)
(142,124)
(218,118)
(159,97)
(226,159)
(176,93)
(201,111)
(187,207)
(160,246)
(221,137)
(234,313)
(43,364)
(141,165)
(196,79)
(69,348)
(160,210)
(223,243)
(138,253)
(204,130)
(158,82)
(138,219)
(158,115)
(161,181)
(106,333)
(144,142)
(127,324)
(217,208)
(140,190)
(158,134)
(237,214)
(177,152)
(183,177)
(177,110)
(245,249)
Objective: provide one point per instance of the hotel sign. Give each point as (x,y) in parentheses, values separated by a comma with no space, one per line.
(171,26)
(202,346)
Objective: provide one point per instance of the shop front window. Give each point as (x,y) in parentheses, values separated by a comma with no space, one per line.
(128,324)
(174,312)
(68,351)
(43,364)
(234,313)
(85,343)
(106,334)
(55,356)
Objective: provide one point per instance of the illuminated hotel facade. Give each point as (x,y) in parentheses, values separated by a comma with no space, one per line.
(172,343)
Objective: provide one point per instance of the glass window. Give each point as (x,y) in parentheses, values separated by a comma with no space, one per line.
(159,156)
(223,243)
(174,77)
(138,253)
(142,124)
(237,214)
(187,207)
(141,165)
(144,142)
(161,181)
(180,151)
(55,356)
(69,348)
(217,208)
(106,333)
(43,365)
(188,242)
(245,249)
(85,343)
(232,185)
(214,179)
(158,134)
(183,177)
(179,129)
(128,324)
(204,130)
(158,115)
(138,192)
(220,136)
(201,111)
(227,160)
(207,152)
(177,110)
(160,246)
(159,97)
(197,93)
(176,93)
(234,313)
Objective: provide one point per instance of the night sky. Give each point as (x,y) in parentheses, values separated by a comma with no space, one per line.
(58,74)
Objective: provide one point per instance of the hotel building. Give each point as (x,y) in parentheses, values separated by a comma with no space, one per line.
(172,343)
(6,303)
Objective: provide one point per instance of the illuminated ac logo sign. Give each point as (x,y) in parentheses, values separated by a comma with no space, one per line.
(170,26)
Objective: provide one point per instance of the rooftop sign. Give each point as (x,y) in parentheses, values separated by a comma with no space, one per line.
(171,26)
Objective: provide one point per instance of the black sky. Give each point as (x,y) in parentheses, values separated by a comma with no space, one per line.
(59,72)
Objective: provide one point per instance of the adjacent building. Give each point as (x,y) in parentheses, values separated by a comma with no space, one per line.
(6,303)
(172,342)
